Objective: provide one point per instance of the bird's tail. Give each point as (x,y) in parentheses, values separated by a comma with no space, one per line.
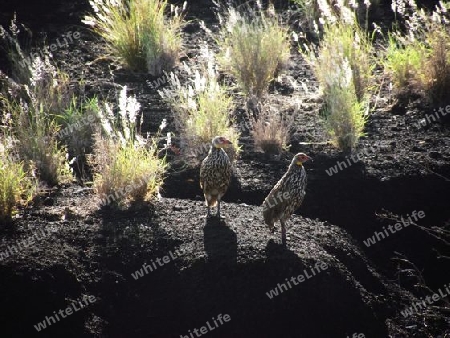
(210,200)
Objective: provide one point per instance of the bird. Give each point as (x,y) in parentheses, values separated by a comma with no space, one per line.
(286,196)
(215,173)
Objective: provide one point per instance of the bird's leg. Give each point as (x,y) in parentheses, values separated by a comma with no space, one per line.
(283,233)
(218,208)
(209,211)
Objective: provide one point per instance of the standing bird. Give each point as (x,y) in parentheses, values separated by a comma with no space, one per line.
(286,196)
(215,173)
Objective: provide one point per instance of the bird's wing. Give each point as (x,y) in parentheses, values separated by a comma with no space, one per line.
(273,204)
(202,173)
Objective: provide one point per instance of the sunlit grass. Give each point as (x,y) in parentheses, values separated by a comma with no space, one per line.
(17,185)
(343,64)
(126,165)
(254,48)
(144,34)
(203,108)
(419,59)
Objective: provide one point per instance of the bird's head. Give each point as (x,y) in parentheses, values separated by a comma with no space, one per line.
(300,158)
(221,142)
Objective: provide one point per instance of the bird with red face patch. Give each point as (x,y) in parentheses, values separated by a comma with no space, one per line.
(286,196)
(215,173)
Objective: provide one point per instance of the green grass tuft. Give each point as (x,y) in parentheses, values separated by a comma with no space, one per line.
(139,32)
(254,48)
(126,165)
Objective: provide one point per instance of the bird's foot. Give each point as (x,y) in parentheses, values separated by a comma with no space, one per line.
(220,216)
(283,237)
(208,215)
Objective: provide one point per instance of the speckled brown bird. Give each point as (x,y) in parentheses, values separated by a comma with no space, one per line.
(215,173)
(286,196)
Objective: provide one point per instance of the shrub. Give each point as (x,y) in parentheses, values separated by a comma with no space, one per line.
(36,133)
(254,48)
(138,32)
(420,59)
(351,43)
(35,129)
(203,108)
(344,114)
(126,169)
(437,80)
(343,67)
(39,93)
(17,186)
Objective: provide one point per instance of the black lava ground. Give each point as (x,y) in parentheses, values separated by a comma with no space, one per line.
(228,266)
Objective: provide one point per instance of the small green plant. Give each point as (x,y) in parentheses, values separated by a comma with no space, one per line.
(17,186)
(254,48)
(126,167)
(139,32)
(203,108)
(402,62)
(77,126)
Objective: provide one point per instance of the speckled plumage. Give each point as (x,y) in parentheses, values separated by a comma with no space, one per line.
(215,176)
(286,196)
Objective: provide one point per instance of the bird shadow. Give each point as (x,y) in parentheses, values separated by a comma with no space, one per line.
(220,241)
(276,250)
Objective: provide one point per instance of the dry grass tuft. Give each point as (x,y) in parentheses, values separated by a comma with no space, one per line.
(271,132)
